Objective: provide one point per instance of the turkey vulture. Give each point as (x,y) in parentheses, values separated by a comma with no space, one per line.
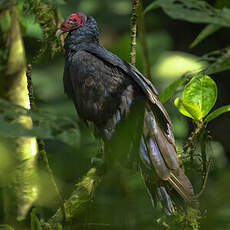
(125,111)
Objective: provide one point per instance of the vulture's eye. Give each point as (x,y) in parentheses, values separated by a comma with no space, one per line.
(70,22)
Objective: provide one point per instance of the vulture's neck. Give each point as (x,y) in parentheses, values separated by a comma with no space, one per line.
(85,34)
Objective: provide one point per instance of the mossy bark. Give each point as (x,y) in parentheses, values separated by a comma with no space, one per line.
(78,202)
(20,189)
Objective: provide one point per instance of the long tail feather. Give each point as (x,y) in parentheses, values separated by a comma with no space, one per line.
(160,168)
(183,186)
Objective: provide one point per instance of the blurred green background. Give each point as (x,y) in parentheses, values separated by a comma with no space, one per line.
(119,204)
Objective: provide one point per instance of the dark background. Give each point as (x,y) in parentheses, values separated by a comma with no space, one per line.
(125,204)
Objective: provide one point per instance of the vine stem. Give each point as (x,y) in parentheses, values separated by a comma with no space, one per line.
(41,144)
(200,131)
(203,151)
(204,180)
(133,36)
(190,146)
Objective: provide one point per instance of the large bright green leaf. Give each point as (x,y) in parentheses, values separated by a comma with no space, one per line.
(207,31)
(199,96)
(201,91)
(188,109)
(219,61)
(170,90)
(217,113)
(193,11)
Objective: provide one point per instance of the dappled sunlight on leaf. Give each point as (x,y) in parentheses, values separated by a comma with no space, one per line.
(174,64)
(188,109)
(201,91)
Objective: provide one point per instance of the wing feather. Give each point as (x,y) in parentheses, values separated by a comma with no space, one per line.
(157,148)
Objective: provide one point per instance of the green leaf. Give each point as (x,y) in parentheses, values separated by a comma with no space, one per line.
(12,129)
(45,125)
(196,11)
(217,113)
(188,109)
(219,61)
(35,223)
(207,31)
(70,137)
(6,227)
(151,7)
(202,92)
(170,90)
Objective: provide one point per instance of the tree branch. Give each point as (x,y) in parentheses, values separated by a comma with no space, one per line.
(20,192)
(49,19)
(78,202)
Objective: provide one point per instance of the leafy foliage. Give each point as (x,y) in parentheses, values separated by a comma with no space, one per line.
(198,11)
(35,223)
(170,90)
(46,125)
(199,96)
(193,11)
(207,31)
(219,61)
(217,113)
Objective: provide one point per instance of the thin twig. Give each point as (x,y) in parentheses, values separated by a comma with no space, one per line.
(58,19)
(205,179)
(203,150)
(41,144)
(190,146)
(133,31)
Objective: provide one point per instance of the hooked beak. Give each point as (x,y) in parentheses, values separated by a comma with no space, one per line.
(59,32)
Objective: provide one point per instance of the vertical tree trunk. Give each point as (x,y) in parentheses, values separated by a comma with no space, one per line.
(20,189)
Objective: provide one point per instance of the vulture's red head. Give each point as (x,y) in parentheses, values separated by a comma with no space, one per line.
(73,21)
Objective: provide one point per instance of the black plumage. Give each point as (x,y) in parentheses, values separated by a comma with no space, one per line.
(109,93)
